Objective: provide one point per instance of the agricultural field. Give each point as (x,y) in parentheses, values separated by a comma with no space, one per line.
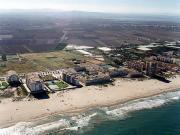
(33,62)
(44,32)
(22,66)
(53,60)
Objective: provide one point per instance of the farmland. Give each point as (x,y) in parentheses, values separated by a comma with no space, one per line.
(32,62)
(48,33)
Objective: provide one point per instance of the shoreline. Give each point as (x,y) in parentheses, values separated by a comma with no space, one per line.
(16,111)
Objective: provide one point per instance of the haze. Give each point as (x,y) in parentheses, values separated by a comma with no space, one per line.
(113,6)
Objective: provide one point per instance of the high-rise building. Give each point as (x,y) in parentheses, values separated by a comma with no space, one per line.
(34,83)
(151,68)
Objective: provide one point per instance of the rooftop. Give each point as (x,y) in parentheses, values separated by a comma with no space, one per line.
(33,77)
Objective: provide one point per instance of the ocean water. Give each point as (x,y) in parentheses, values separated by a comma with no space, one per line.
(157,115)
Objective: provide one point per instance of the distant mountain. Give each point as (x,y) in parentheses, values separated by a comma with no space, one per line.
(100,15)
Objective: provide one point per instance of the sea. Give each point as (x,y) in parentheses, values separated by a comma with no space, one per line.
(156,115)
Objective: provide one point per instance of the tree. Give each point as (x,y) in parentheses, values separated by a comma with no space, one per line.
(4,58)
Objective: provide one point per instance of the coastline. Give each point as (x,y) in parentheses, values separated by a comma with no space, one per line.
(83,99)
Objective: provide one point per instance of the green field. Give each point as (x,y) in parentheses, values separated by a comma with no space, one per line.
(41,61)
(56,85)
(61,84)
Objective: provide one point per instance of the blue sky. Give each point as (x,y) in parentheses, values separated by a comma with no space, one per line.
(117,6)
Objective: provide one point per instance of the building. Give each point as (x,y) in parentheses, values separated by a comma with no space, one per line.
(151,68)
(14,80)
(70,76)
(85,76)
(3,79)
(79,69)
(163,59)
(176,61)
(118,73)
(113,71)
(137,65)
(135,74)
(94,74)
(34,83)
(94,80)
(2,64)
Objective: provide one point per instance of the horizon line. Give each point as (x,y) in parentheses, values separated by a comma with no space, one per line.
(84,11)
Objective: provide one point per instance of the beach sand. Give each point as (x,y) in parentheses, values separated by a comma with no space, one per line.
(82,99)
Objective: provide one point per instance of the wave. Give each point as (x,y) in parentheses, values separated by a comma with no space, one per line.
(80,121)
(28,128)
(146,103)
(83,121)
(61,124)
(22,128)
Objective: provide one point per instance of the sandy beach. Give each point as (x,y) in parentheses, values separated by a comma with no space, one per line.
(81,99)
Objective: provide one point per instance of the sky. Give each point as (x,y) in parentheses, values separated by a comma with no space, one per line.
(109,6)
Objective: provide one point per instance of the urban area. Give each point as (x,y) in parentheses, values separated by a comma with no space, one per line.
(155,61)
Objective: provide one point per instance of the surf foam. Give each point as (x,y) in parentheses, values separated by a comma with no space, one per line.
(83,120)
(26,128)
(146,103)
